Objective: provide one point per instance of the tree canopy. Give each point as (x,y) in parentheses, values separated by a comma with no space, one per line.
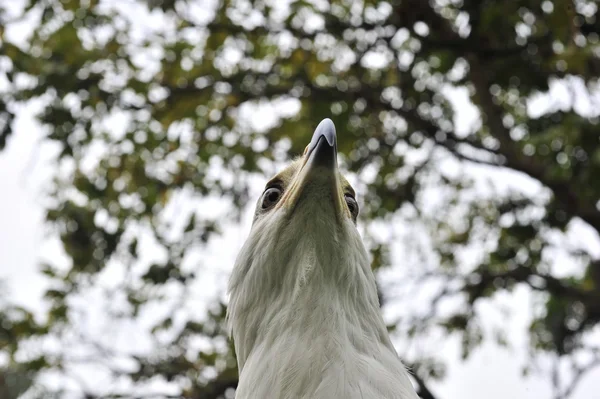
(167,115)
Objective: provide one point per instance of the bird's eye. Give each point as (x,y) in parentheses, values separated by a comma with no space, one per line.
(352,205)
(270,197)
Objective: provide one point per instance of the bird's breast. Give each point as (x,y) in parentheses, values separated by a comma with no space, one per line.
(319,348)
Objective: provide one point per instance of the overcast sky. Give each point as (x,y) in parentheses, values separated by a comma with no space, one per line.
(25,165)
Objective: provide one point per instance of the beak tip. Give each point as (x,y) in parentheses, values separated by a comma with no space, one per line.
(323,146)
(325,129)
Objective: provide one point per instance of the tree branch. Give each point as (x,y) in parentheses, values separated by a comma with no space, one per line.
(564,192)
(522,274)
(580,372)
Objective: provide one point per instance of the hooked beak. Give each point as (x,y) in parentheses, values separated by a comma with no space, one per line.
(319,170)
(322,150)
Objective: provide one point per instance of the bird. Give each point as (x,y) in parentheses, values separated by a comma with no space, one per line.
(303,312)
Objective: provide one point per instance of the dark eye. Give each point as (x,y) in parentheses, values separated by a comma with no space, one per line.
(270,197)
(352,205)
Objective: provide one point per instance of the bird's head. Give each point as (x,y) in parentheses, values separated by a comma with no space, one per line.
(311,187)
(304,225)
(305,218)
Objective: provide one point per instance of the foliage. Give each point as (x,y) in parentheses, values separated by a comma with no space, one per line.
(148,114)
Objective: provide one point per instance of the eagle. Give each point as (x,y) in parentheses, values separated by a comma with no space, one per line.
(303,311)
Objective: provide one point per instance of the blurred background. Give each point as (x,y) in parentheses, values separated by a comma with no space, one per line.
(136,136)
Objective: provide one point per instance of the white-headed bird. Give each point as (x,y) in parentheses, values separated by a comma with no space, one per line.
(304,312)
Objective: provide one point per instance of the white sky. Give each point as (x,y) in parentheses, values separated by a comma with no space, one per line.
(491,372)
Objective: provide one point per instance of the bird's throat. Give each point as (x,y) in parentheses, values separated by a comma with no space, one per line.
(318,291)
(323,329)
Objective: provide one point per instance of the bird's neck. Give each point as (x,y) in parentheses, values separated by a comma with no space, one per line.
(320,295)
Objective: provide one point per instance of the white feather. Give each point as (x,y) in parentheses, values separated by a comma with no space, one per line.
(304,312)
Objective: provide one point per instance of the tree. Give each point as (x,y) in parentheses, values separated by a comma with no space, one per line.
(148,111)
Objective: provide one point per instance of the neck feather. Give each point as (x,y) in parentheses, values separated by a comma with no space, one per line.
(305,319)
(313,288)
